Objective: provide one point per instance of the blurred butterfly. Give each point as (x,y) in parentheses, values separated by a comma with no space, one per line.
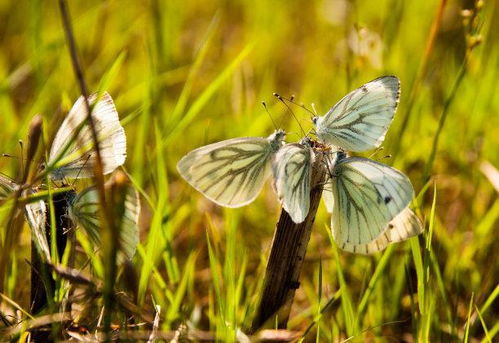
(359,121)
(73,155)
(84,210)
(35,213)
(369,204)
(7,187)
(231,173)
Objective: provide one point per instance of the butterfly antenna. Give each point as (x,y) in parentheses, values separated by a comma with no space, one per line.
(330,164)
(291,100)
(293,133)
(375,152)
(21,147)
(79,171)
(21,160)
(281,99)
(271,118)
(314,109)
(311,131)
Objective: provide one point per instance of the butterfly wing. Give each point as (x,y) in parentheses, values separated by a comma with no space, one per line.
(130,223)
(230,173)
(359,121)
(35,212)
(367,196)
(327,196)
(291,167)
(85,211)
(7,186)
(36,215)
(405,225)
(73,150)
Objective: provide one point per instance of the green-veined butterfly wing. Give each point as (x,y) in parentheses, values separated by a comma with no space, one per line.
(291,167)
(367,196)
(36,215)
(404,226)
(231,173)
(85,211)
(73,150)
(359,121)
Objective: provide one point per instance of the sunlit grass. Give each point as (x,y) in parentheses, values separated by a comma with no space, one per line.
(183,75)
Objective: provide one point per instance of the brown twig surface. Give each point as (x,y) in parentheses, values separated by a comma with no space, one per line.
(286,258)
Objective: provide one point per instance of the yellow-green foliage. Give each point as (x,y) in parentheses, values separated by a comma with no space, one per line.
(188,73)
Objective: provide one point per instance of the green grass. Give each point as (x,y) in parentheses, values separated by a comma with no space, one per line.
(183,75)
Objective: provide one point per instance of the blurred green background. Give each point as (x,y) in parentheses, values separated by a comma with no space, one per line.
(188,73)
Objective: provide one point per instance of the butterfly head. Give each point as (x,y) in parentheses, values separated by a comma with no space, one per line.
(280,134)
(340,155)
(277,139)
(307,141)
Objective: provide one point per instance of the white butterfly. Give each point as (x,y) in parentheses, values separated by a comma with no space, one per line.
(231,173)
(84,210)
(369,204)
(291,167)
(359,121)
(72,154)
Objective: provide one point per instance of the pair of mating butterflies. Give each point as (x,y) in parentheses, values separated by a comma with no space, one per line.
(72,156)
(368,200)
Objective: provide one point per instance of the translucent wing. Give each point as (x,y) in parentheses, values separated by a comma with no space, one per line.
(36,215)
(292,171)
(74,154)
(86,213)
(7,186)
(405,225)
(231,173)
(367,196)
(35,212)
(327,196)
(359,121)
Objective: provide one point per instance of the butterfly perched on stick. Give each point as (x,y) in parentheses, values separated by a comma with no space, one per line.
(368,200)
(366,197)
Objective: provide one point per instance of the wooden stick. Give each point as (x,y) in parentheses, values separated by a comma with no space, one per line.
(286,258)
